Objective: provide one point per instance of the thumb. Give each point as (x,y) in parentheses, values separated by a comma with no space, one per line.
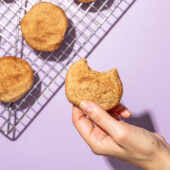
(100,117)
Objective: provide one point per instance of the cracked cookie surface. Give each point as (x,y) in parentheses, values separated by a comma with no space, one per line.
(82,83)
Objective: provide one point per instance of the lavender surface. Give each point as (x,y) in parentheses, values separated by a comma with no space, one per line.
(139,46)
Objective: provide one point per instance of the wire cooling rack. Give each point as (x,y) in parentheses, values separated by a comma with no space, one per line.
(88,24)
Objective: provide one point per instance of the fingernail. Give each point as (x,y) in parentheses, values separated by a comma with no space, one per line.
(85,106)
(128,113)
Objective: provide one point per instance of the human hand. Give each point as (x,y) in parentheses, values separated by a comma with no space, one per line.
(107,135)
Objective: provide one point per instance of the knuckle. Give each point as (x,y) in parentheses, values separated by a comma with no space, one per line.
(98,118)
(121,136)
(96,150)
(94,114)
(78,120)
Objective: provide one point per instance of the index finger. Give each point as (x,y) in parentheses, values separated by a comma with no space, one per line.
(101,117)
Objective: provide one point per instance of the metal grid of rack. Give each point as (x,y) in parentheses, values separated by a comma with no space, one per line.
(88,24)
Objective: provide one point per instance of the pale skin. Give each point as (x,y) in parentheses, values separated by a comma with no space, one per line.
(107,135)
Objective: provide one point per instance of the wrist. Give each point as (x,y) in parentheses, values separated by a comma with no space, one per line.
(160,161)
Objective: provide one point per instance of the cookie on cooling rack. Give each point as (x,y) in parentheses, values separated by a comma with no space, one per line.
(44,26)
(82,83)
(86,1)
(16,78)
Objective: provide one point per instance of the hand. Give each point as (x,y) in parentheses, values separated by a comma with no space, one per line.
(107,135)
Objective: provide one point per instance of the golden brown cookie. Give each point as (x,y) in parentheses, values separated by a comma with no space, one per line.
(86,1)
(16,78)
(44,26)
(82,83)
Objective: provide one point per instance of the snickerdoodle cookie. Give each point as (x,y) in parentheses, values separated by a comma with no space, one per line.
(44,26)
(82,83)
(16,78)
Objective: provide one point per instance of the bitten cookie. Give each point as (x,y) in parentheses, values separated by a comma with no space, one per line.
(86,1)
(16,78)
(44,26)
(82,83)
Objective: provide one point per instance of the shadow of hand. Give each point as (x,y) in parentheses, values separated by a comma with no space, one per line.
(143,121)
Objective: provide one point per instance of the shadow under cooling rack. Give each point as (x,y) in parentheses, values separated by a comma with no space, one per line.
(88,25)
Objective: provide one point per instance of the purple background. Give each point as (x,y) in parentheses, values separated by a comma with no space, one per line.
(139,46)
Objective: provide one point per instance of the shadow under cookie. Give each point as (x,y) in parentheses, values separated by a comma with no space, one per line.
(9,1)
(29,98)
(99,5)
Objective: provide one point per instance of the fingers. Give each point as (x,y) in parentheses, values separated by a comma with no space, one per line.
(121,110)
(99,141)
(82,124)
(100,117)
(115,115)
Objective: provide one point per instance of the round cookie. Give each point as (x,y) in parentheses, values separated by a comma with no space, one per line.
(86,1)
(16,78)
(44,26)
(82,83)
